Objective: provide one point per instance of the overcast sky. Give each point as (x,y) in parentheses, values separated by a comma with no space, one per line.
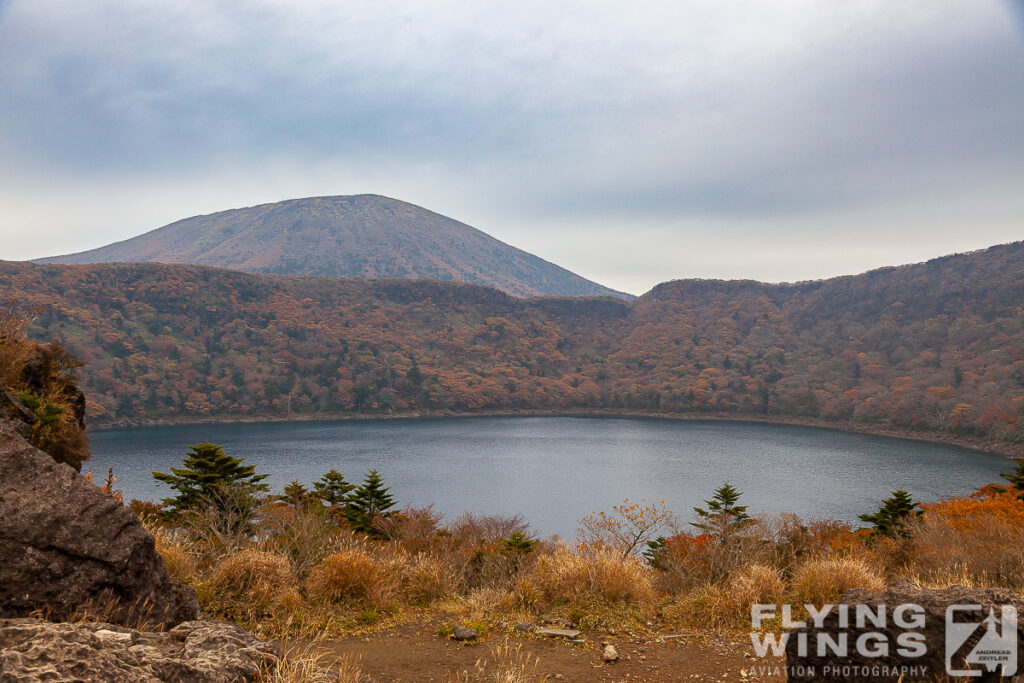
(631,142)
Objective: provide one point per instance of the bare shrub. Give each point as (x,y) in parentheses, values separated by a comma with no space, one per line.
(469,529)
(988,553)
(224,521)
(628,526)
(412,528)
(305,534)
(789,540)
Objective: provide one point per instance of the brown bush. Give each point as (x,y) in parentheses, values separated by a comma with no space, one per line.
(304,534)
(591,572)
(989,552)
(253,574)
(822,581)
(356,574)
(727,607)
(428,578)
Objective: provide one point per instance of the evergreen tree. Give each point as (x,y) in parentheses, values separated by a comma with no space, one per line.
(891,518)
(656,552)
(1016,477)
(207,471)
(333,489)
(722,515)
(369,502)
(296,494)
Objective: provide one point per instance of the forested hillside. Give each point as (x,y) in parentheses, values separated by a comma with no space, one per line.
(933,346)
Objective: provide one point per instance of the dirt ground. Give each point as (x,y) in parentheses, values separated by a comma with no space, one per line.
(415,653)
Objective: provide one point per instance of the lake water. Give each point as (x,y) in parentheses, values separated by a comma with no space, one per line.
(555,470)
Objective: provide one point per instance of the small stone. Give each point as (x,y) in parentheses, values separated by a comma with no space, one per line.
(571,634)
(108,636)
(610,654)
(464,633)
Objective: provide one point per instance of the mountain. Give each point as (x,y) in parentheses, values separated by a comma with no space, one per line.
(936,346)
(356,236)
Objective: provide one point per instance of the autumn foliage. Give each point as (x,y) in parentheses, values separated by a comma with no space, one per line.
(937,346)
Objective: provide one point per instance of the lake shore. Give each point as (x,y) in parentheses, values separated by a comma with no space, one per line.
(972,443)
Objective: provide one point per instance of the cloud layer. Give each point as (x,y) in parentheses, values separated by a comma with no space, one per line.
(631,142)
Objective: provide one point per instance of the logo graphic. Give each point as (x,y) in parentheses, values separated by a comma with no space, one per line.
(981,642)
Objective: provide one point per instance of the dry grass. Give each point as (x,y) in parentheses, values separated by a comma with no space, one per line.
(356,574)
(987,553)
(428,578)
(506,664)
(255,575)
(822,581)
(583,573)
(181,559)
(727,607)
(306,665)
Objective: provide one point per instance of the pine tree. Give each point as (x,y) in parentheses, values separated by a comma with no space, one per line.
(368,503)
(723,515)
(333,489)
(1016,477)
(207,471)
(296,494)
(892,516)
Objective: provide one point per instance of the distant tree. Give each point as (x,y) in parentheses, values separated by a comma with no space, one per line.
(207,471)
(722,516)
(628,526)
(369,502)
(892,516)
(333,489)
(296,494)
(1016,478)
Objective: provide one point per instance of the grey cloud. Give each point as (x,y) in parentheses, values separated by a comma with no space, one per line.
(514,115)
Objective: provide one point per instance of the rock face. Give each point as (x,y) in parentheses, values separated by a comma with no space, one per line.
(67,548)
(208,651)
(920,631)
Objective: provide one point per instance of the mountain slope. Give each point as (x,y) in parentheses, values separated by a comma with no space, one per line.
(355,236)
(936,346)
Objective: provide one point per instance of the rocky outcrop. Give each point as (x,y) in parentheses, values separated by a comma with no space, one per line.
(68,548)
(196,651)
(911,643)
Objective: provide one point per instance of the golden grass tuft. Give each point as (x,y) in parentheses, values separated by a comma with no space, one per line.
(307,665)
(180,559)
(506,664)
(586,572)
(822,581)
(755,584)
(355,574)
(254,574)
(427,579)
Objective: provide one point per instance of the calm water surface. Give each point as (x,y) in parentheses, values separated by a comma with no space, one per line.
(555,470)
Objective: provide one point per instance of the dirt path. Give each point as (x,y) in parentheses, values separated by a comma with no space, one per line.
(415,653)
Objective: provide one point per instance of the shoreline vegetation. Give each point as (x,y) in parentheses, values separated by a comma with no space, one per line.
(974,443)
(332,557)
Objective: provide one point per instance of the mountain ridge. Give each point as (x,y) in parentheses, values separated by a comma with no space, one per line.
(934,347)
(346,236)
